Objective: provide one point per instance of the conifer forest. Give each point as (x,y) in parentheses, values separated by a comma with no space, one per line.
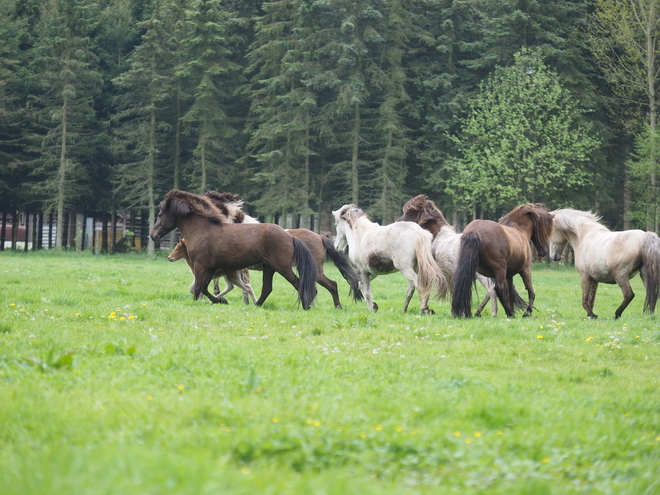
(301,106)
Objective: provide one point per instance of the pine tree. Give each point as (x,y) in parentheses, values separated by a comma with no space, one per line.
(212,77)
(65,81)
(147,84)
(283,109)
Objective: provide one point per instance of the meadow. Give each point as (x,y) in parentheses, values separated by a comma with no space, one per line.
(114,381)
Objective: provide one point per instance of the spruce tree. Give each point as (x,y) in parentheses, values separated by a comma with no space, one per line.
(65,80)
(142,173)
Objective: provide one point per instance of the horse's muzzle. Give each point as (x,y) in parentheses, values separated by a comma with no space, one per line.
(556,257)
(155,237)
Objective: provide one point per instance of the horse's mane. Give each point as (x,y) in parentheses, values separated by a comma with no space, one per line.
(571,220)
(183,204)
(428,209)
(542,221)
(350,213)
(229,204)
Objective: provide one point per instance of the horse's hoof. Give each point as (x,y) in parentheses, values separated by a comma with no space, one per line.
(339,306)
(427,311)
(477,314)
(527,314)
(374,307)
(593,316)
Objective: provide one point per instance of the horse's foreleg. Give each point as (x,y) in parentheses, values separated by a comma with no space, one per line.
(628,295)
(526,275)
(201,286)
(267,285)
(235,278)
(491,295)
(589,287)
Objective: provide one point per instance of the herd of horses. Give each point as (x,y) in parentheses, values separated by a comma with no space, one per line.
(220,240)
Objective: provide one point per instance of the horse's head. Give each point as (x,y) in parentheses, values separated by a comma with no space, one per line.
(180,204)
(344,216)
(542,220)
(169,212)
(535,220)
(558,241)
(180,251)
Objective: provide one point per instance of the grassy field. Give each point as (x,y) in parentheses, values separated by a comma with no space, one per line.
(113,381)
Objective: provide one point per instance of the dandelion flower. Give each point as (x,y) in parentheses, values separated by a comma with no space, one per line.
(539,337)
(545,460)
(457,433)
(276,420)
(379,427)
(477,434)
(181,387)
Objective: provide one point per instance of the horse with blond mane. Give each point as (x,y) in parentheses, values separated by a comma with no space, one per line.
(608,257)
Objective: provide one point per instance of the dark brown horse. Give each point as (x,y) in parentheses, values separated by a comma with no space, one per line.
(320,246)
(446,243)
(215,244)
(238,278)
(501,250)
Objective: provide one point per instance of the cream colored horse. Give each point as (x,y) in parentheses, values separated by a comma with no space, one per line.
(378,250)
(608,257)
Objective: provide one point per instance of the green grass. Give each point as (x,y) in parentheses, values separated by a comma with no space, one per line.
(182,396)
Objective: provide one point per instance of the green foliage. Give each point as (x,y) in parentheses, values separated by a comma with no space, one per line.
(523,140)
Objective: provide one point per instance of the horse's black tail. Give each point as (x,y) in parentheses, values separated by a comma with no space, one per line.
(518,302)
(468,261)
(307,273)
(651,269)
(344,268)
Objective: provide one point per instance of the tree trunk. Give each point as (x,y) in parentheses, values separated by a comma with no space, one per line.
(354,158)
(61,178)
(151,251)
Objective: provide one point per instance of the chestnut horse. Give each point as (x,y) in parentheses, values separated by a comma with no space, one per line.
(215,244)
(446,242)
(378,250)
(501,250)
(320,246)
(233,277)
(608,257)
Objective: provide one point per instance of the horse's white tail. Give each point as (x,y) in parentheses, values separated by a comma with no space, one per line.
(429,273)
(651,269)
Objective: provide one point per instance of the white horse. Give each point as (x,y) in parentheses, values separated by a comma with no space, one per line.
(609,257)
(378,250)
(446,244)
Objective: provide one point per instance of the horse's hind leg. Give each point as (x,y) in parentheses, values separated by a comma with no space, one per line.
(502,291)
(331,286)
(267,285)
(365,288)
(628,295)
(589,287)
